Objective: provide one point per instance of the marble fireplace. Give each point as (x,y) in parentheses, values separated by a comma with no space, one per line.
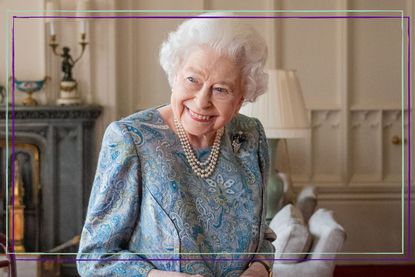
(54,167)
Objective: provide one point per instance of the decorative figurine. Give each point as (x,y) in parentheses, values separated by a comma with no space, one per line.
(67,64)
(68,86)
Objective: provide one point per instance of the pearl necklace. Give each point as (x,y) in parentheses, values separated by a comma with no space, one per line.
(201,169)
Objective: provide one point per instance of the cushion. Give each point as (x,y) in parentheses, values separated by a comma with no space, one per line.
(307,201)
(293,237)
(328,235)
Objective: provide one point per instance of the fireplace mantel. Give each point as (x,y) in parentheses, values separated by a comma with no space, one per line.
(64,136)
(83,113)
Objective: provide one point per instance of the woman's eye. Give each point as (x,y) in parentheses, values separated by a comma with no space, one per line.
(221,90)
(191,79)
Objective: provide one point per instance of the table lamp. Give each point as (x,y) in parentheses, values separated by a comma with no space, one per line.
(283,114)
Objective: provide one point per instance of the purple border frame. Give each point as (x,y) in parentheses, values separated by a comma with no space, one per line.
(408,21)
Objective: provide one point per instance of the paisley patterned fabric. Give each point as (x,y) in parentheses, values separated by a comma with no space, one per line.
(149,210)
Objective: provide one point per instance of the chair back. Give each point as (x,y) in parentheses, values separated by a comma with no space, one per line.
(10,261)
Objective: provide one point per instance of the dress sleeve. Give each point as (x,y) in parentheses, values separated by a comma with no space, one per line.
(113,210)
(265,250)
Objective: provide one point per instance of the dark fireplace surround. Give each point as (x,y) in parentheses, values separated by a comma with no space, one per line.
(64,137)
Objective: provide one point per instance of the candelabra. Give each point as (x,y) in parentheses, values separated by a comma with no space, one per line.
(68,85)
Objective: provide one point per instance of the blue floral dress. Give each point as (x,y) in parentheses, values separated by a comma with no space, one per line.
(149,210)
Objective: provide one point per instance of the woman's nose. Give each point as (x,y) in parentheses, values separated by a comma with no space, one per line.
(203,98)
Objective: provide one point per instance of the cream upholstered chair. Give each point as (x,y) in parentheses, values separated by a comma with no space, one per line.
(304,236)
(8,260)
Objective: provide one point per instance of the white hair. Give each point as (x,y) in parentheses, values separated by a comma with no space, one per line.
(229,36)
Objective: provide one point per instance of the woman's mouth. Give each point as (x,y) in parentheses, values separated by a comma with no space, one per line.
(198,117)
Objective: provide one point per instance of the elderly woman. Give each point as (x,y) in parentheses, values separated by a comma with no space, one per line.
(180,189)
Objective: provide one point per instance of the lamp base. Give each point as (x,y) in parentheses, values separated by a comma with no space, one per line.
(275,186)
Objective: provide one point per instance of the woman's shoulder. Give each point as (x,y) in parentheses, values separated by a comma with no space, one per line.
(246,129)
(150,115)
(243,123)
(142,125)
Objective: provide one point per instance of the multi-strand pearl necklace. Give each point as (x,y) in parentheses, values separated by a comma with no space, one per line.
(201,169)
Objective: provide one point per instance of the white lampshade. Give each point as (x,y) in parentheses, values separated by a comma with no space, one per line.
(281,109)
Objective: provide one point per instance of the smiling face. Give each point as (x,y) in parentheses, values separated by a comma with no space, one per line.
(207,92)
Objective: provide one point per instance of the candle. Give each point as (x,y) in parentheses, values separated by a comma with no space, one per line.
(83,27)
(81,6)
(50,7)
(52,30)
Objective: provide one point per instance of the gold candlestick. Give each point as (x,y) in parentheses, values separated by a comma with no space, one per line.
(18,193)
